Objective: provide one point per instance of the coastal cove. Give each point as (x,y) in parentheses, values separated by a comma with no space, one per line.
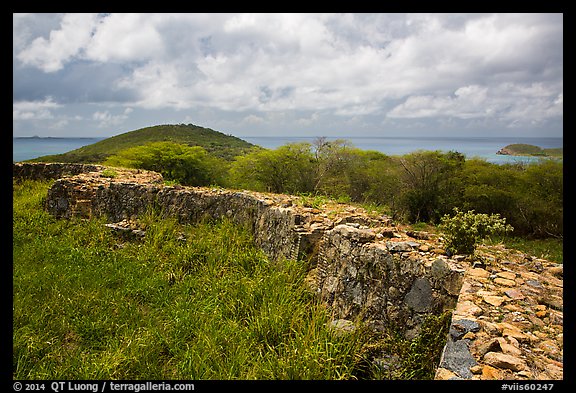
(482,147)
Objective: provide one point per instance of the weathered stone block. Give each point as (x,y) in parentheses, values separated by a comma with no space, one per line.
(420,296)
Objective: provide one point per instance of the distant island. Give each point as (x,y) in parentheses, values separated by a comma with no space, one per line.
(523,149)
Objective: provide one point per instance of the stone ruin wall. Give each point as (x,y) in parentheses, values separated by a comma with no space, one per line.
(360,266)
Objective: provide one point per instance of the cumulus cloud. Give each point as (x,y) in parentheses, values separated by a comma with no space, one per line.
(126,37)
(34,110)
(507,102)
(63,44)
(396,66)
(106,119)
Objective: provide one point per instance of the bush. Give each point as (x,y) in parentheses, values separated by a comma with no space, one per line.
(464,230)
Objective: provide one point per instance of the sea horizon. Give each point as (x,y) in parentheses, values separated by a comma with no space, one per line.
(485,147)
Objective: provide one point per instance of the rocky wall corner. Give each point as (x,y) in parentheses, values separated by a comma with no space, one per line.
(385,281)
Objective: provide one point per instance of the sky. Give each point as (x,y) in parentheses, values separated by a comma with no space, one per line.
(295,74)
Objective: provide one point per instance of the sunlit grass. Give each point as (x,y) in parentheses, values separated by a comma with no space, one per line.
(185,302)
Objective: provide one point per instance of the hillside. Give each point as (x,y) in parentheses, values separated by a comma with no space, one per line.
(523,149)
(215,142)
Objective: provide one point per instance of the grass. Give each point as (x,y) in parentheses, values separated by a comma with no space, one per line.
(551,249)
(89,305)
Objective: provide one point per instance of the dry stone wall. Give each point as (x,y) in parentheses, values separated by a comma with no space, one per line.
(354,269)
(43,171)
(507,315)
(384,281)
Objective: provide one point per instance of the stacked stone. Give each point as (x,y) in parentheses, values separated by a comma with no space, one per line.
(49,170)
(508,323)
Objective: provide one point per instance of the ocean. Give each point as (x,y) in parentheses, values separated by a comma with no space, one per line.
(482,147)
(33,147)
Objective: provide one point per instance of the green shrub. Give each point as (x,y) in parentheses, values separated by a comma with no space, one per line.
(464,230)
(111,173)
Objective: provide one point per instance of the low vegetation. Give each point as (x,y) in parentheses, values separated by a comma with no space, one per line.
(191,165)
(201,302)
(422,186)
(89,305)
(464,230)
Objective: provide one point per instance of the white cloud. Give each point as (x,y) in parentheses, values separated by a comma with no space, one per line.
(61,123)
(253,120)
(507,102)
(34,110)
(467,102)
(50,55)
(403,66)
(307,121)
(106,119)
(126,37)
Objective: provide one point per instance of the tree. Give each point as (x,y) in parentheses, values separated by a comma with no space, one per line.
(187,165)
(530,196)
(540,201)
(429,185)
(488,188)
(287,169)
(331,159)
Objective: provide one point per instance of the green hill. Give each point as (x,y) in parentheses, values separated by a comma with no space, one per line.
(215,142)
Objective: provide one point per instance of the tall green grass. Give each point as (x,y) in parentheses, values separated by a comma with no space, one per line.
(185,302)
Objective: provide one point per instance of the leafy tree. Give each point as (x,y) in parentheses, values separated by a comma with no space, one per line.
(382,176)
(343,171)
(331,162)
(371,170)
(540,201)
(187,165)
(287,169)
(489,188)
(428,184)
(530,196)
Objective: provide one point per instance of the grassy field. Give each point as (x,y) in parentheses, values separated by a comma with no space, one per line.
(89,305)
(550,249)
(185,302)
